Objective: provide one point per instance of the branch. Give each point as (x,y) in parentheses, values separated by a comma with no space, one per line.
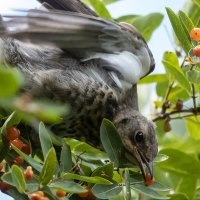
(190,111)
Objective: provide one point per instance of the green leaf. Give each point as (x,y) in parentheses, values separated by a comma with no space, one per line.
(179,163)
(87,152)
(94,179)
(147,24)
(187,186)
(192,9)
(197,2)
(179,30)
(187,22)
(193,127)
(67,186)
(114,147)
(100,9)
(160,158)
(148,191)
(45,139)
(48,168)
(36,165)
(178,75)
(65,158)
(178,197)
(193,76)
(12,120)
(15,177)
(105,171)
(158,78)
(106,191)
(10,81)
(127,18)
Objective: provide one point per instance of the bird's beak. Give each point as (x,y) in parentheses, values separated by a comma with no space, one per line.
(145,166)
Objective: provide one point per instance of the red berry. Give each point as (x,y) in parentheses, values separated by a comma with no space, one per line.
(12,133)
(19,160)
(60,193)
(1,166)
(28,173)
(195,34)
(17,143)
(196,51)
(5,186)
(149,180)
(26,149)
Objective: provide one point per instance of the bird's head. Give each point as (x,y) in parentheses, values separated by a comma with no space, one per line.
(138,137)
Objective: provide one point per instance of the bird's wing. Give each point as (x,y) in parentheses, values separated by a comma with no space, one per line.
(87,37)
(69,5)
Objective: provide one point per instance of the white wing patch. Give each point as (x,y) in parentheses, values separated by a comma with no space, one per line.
(132,67)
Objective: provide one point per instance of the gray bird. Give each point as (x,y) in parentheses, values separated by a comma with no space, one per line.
(68,53)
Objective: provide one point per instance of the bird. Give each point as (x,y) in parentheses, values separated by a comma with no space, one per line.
(67,52)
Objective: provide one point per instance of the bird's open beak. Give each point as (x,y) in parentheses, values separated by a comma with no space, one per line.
(145,166)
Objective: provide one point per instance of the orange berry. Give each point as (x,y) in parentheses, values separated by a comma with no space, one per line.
(26,149)
(28,173)
(149,181)
(19,160)
(40,193)
(88,193)
(44,198)
(35,196)
(5,186)
(12,133)
(195,34)
(17,143)
(196,51)
(60,193)
(1,166)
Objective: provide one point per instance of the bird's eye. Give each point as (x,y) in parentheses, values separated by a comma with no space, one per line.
(139,136)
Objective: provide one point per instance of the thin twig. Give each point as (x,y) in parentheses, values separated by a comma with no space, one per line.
(165,104)
(194,99)
(192,111)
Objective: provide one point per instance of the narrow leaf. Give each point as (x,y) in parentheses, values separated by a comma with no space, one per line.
(179,30)
(100,9)
(94,179)
(188,24)
(111,141)
(45,139)
(67,186)
(178,75)
(18,178)
(36,165)
(48,168)
(65,158)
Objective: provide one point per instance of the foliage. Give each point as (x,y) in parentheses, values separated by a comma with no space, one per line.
(75,167)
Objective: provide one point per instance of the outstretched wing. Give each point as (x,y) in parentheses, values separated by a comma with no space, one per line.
(87,37)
